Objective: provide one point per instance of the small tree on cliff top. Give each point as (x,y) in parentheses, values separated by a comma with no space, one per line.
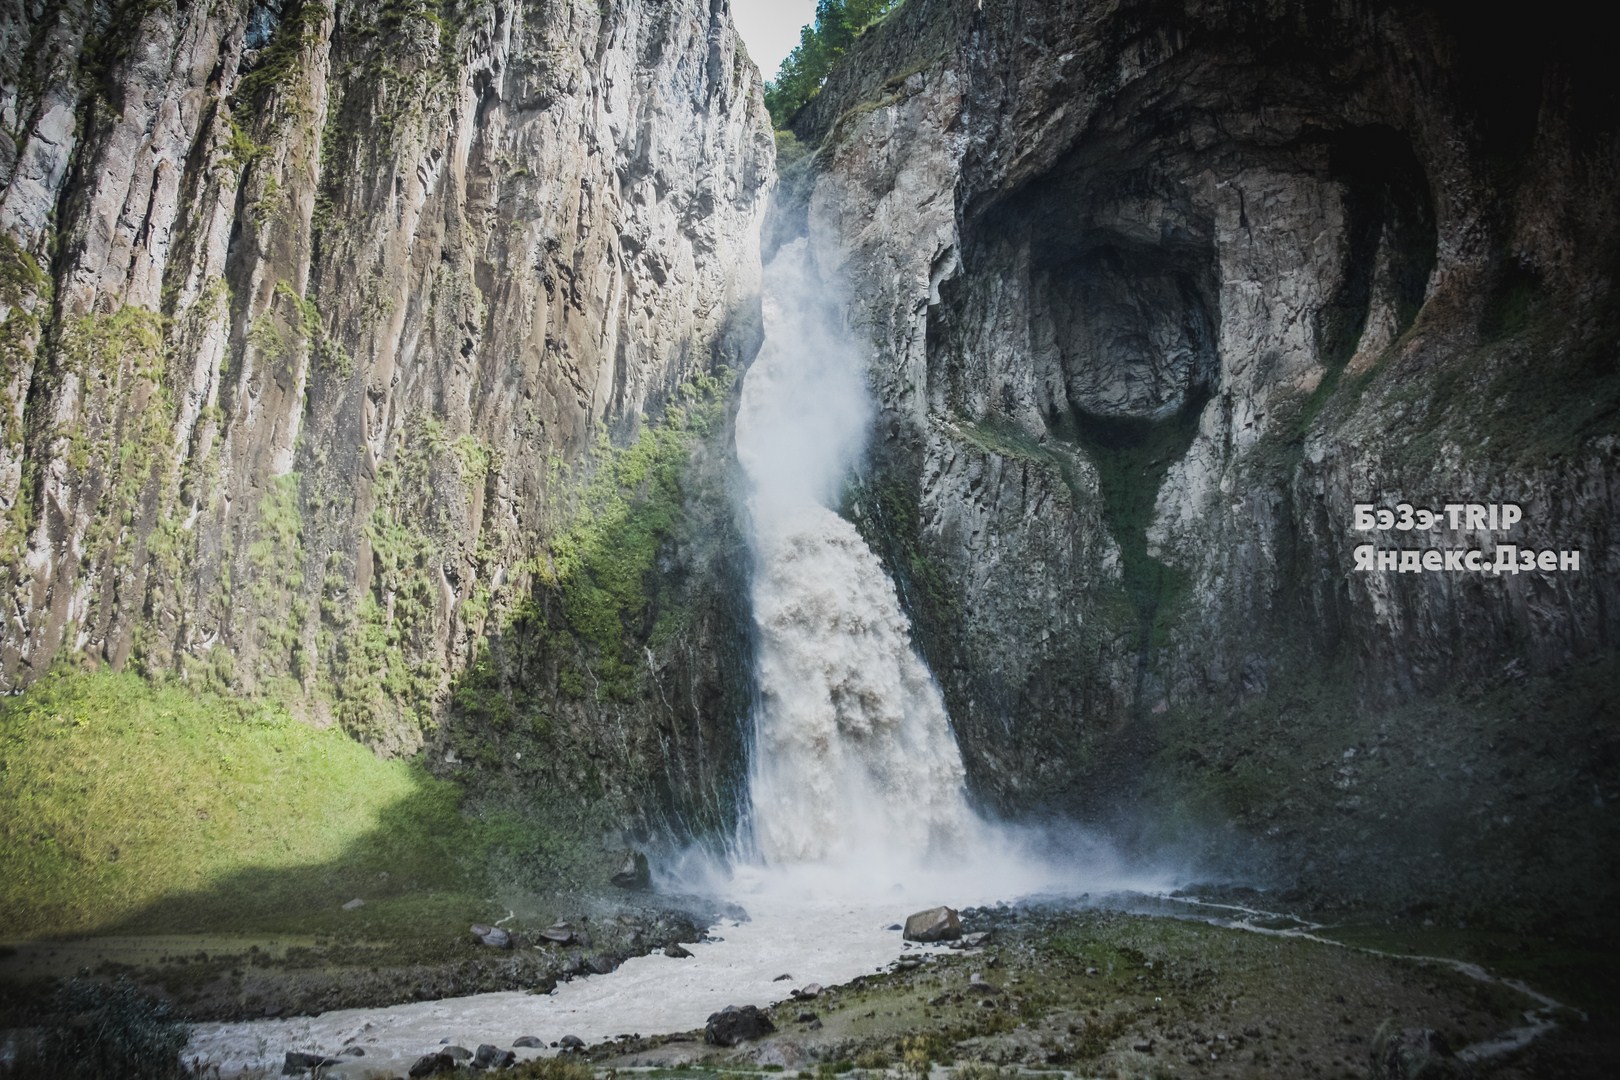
(838,23)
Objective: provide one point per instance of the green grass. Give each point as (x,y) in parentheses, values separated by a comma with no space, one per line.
(129,805)
(602,566)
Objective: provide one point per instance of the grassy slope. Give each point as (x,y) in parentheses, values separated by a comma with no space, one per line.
(132,806)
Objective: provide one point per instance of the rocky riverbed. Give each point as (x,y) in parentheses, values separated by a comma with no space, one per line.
(1111,993)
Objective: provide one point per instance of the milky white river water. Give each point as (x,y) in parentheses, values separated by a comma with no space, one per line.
(827,942)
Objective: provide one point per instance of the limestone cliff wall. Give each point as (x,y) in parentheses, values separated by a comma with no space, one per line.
(1158,293)
(314,313)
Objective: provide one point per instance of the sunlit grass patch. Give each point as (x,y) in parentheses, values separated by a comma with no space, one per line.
(161,807)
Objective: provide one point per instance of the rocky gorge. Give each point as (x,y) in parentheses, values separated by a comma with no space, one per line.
(376,363)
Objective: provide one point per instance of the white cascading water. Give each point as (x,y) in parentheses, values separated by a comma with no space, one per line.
(855,768)
(859,815)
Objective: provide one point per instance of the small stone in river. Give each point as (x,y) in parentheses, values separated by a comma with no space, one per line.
(892,926)
(352,1051)
(354,905)
(298,1061)
(528,1041)
(572,1042)
(782,978)
(935,924)
(675,951)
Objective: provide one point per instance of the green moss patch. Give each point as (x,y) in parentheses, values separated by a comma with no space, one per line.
(124,804)
(601,568)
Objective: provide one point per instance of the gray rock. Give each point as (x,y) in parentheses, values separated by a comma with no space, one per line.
(528,1041)
(354,905)
(935,924)
(493,936)
(634,872)
(433,1064)
(1413,1054)
(564,934)
(676,951)
(603,963)
(571,1042)
(297,1061)
(493,1057)
(733,1025)
(670,204)
(460,1053)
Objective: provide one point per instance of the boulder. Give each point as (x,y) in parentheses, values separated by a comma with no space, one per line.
(529,1041)
(460,1053)
(810,990)
(675,951)
(493,1057)
(493,936)
(297,1061)
(634,872)
(433,1064)
(563,934)
(734,1024)
(603,963)
(571,1042)
(935,924)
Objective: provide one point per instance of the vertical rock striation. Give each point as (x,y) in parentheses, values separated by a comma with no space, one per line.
(313,312)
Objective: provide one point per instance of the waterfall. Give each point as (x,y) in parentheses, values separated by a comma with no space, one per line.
(854,763)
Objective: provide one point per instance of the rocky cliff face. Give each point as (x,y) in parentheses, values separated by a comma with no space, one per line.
(1159,293)
(316,317)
